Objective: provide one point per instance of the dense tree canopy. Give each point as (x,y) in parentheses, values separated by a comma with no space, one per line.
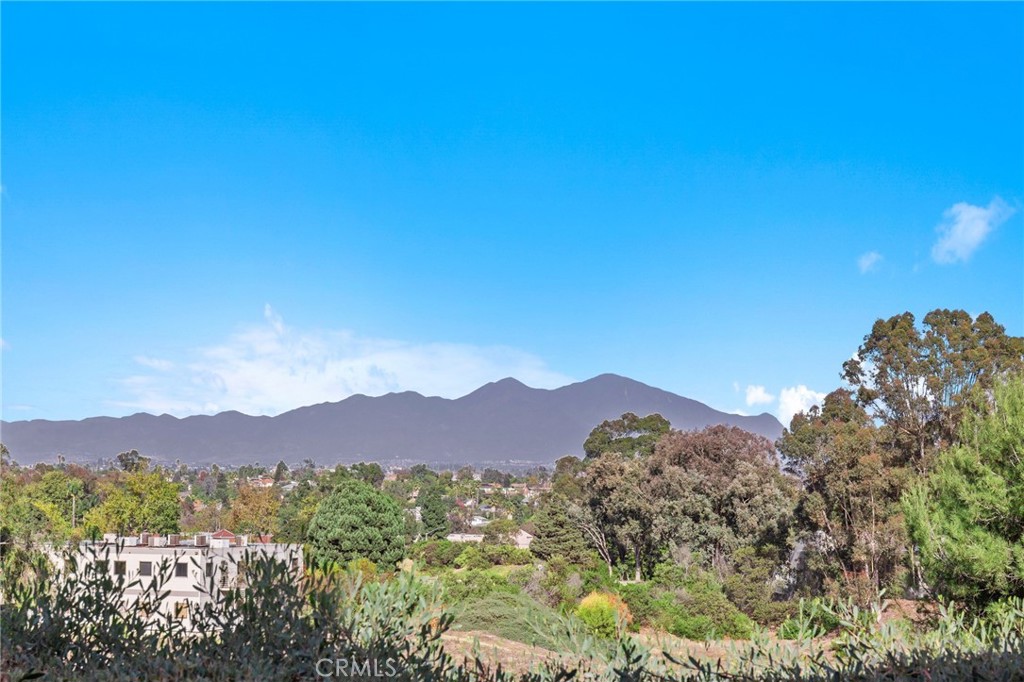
(723,489)
(255,510)
(919,381)
(131,461)
(136,502)
(852,486)
(629,435)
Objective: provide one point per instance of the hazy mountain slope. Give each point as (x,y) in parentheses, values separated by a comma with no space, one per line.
(503,420)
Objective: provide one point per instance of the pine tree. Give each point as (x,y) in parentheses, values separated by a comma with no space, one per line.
(556,534)
(433,512)
(356,521)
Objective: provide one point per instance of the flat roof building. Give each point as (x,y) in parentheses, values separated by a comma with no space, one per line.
(195,569)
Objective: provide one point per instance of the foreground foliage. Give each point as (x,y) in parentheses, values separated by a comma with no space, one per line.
(72,627)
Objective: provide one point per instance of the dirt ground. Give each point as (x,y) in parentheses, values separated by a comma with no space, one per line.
(518,657)
(494,650)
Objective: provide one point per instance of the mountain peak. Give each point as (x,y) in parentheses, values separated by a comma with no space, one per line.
(506,386)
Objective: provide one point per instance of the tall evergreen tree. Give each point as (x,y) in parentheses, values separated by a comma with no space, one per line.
(556,534)
(280,472)
(357,521)
(433,511)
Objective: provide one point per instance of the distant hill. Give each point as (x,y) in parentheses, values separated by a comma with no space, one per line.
(501,421)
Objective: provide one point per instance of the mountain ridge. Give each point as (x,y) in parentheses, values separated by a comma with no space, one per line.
(503,420)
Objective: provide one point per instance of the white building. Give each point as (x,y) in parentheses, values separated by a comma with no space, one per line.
(220,558)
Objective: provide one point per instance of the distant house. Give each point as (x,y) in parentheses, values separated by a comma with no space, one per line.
(225,535)
(464,537)
(522,539)
(479,521)
(263,482)
(517,489)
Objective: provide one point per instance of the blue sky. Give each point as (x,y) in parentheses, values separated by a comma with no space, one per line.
(260,206)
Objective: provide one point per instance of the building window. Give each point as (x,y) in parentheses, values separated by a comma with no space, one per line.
(145,568)
(223,574)
(242,568)
(181,610)
(181,570)
(209,568)
(120,567)
(102,565)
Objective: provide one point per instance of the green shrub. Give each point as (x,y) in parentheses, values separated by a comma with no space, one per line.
(813,619)
(366,569)
(521,576)
(438,553)
(472,557)
(671,576)
(641,601)
(689,626)
(560,585)
(467,585)
(688,604)
(506,555)
(604,613)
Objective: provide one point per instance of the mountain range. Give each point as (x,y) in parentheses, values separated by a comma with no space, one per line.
(503,421)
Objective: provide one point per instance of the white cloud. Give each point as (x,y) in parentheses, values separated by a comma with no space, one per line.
(796,399)
(273,318)
(965,227)
(868,262)
(154,363)
(756,395)
(272,368)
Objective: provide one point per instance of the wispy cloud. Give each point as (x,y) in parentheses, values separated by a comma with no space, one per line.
(271,368)
(154,363)
(965,227)
(796,399)
(757,395)
(868,262)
